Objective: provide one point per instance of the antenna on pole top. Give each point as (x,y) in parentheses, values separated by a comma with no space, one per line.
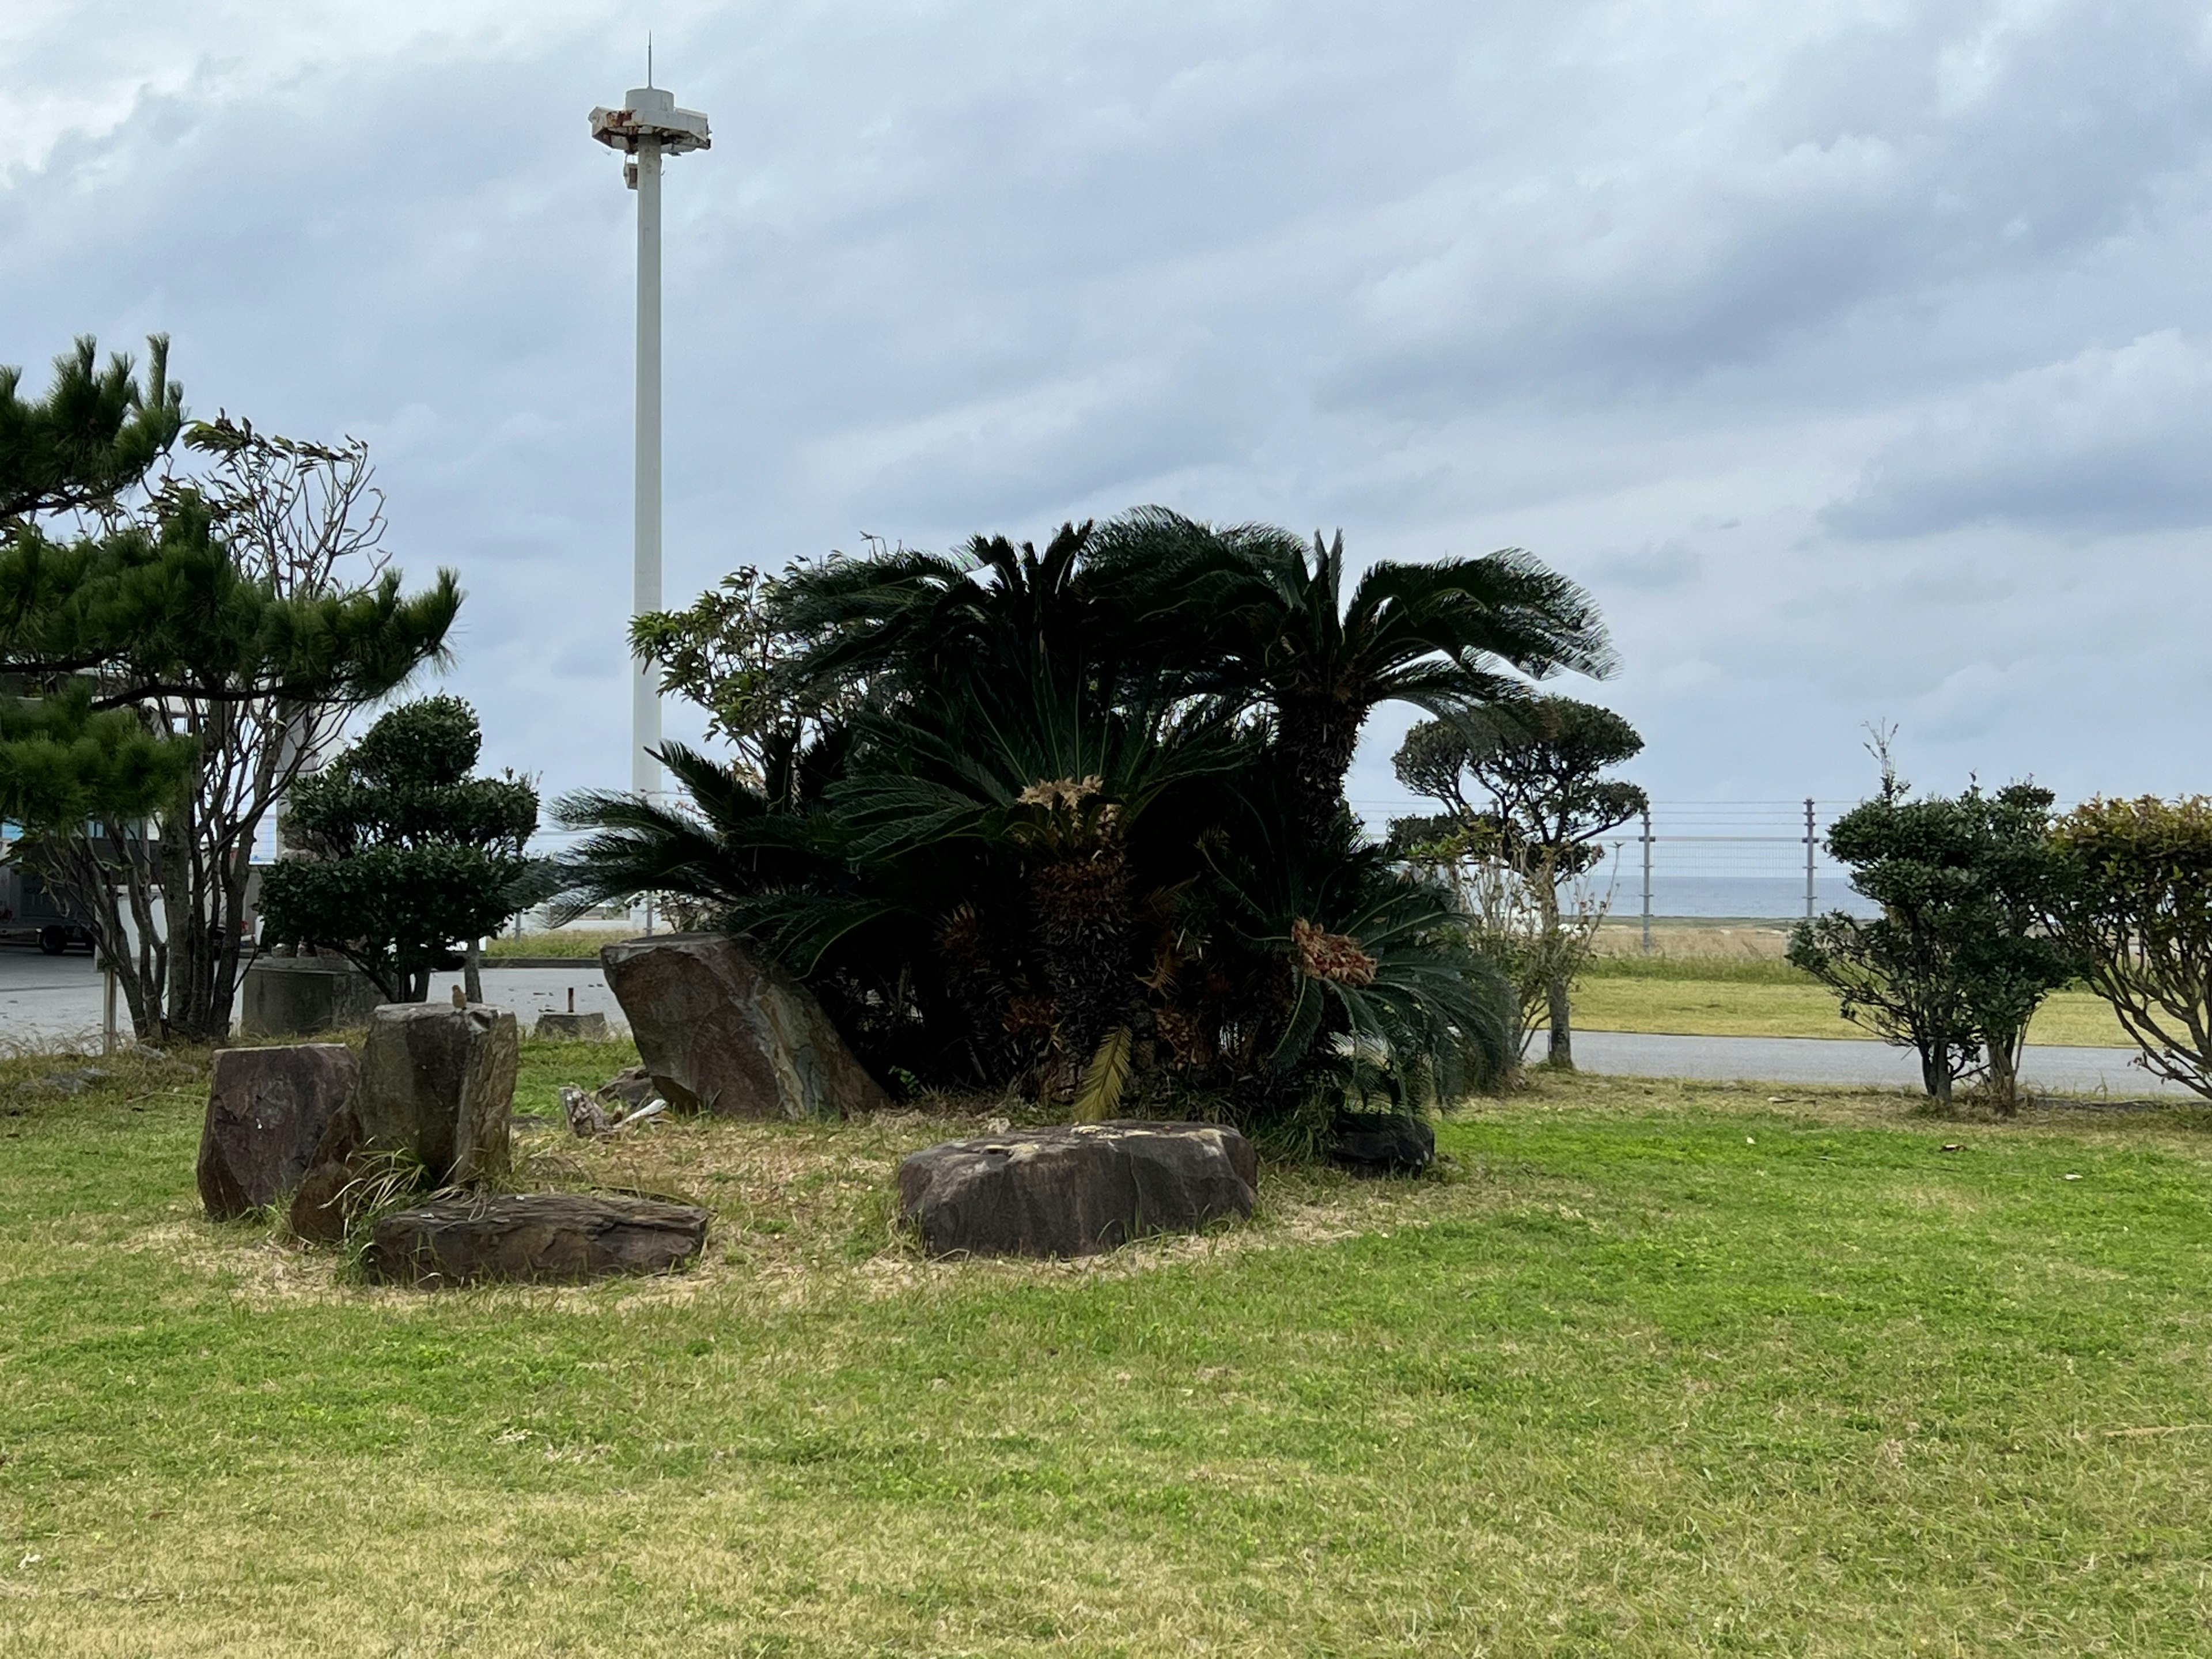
(649,57)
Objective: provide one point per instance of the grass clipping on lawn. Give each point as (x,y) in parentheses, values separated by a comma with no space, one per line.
(1646,1369)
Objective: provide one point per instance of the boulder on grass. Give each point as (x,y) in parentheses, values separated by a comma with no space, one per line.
(533,1238)
(1376,1143)
(267,1111)
(723,1028)
(1075,1189)
(438,1084)
(329,1198)
(572,1027)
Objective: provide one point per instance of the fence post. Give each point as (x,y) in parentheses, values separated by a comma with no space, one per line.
(1809,897)
(1647,879)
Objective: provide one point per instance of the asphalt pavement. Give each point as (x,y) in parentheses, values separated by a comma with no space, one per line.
(54,1002)
(1845,1061)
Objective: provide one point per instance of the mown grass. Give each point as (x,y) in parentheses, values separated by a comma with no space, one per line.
(1648,1369)
(579,942)
(1774,1000)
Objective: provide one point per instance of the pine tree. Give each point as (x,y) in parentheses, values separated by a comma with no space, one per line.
(136,628)
(64,757)
(408,855)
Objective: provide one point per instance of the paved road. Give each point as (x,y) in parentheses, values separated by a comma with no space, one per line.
(51,1001)
(1842,1060)
(47,1002)
(54,1002)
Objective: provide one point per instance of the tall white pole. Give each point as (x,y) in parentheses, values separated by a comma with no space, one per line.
(645,706)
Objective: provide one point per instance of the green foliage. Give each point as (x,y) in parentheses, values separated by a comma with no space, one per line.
(96,432)
(726,652)
(162,607)
(1529,774)
(407,854)
(62,763)
(1517,917)
(2137,912)
(1064,844)
(1957,961)
(427,744)
(938,626)
(92,436)
(1251,615)
(100,628)
(1523,780)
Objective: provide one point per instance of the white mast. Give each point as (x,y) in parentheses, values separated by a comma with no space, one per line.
(647,128)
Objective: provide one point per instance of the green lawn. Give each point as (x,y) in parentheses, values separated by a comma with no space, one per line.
(1650,1369)
(1751,1007)
(578,942)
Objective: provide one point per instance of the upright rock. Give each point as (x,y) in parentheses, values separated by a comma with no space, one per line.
(439,1083)
(268,1110)
(1076,1189)
(723,1028)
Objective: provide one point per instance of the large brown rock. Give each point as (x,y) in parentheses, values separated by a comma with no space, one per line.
(438,1083)
(267,1111)
(1075,1189)
(723,1028)
(331,1196)
(533,1237)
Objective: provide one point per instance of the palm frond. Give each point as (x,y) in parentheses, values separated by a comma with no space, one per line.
(1105,1079)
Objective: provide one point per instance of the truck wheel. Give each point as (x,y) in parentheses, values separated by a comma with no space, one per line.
(53,941)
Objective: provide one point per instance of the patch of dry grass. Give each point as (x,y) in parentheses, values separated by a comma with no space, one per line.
(1691,941)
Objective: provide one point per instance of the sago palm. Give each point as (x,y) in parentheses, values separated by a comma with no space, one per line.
(919,623)
(1251,614)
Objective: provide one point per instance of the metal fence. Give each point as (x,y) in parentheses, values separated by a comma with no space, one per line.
(1711,859)
(1765,859)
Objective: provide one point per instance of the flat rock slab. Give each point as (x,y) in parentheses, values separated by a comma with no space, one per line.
(723,1027)
(1075,1189)
(267,1112)
(533,1238)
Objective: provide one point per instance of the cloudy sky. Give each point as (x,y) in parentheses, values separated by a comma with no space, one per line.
(1857,355)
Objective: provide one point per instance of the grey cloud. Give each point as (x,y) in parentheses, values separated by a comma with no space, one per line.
(1942,147)
(1670,564)
(588,659)
(2116,438)
(1587,279)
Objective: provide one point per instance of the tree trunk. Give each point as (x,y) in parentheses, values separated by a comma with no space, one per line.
(1315,738)
(472,971)
(1083,909)
(1936,1071)
(1560,1054)
(2004,1049)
